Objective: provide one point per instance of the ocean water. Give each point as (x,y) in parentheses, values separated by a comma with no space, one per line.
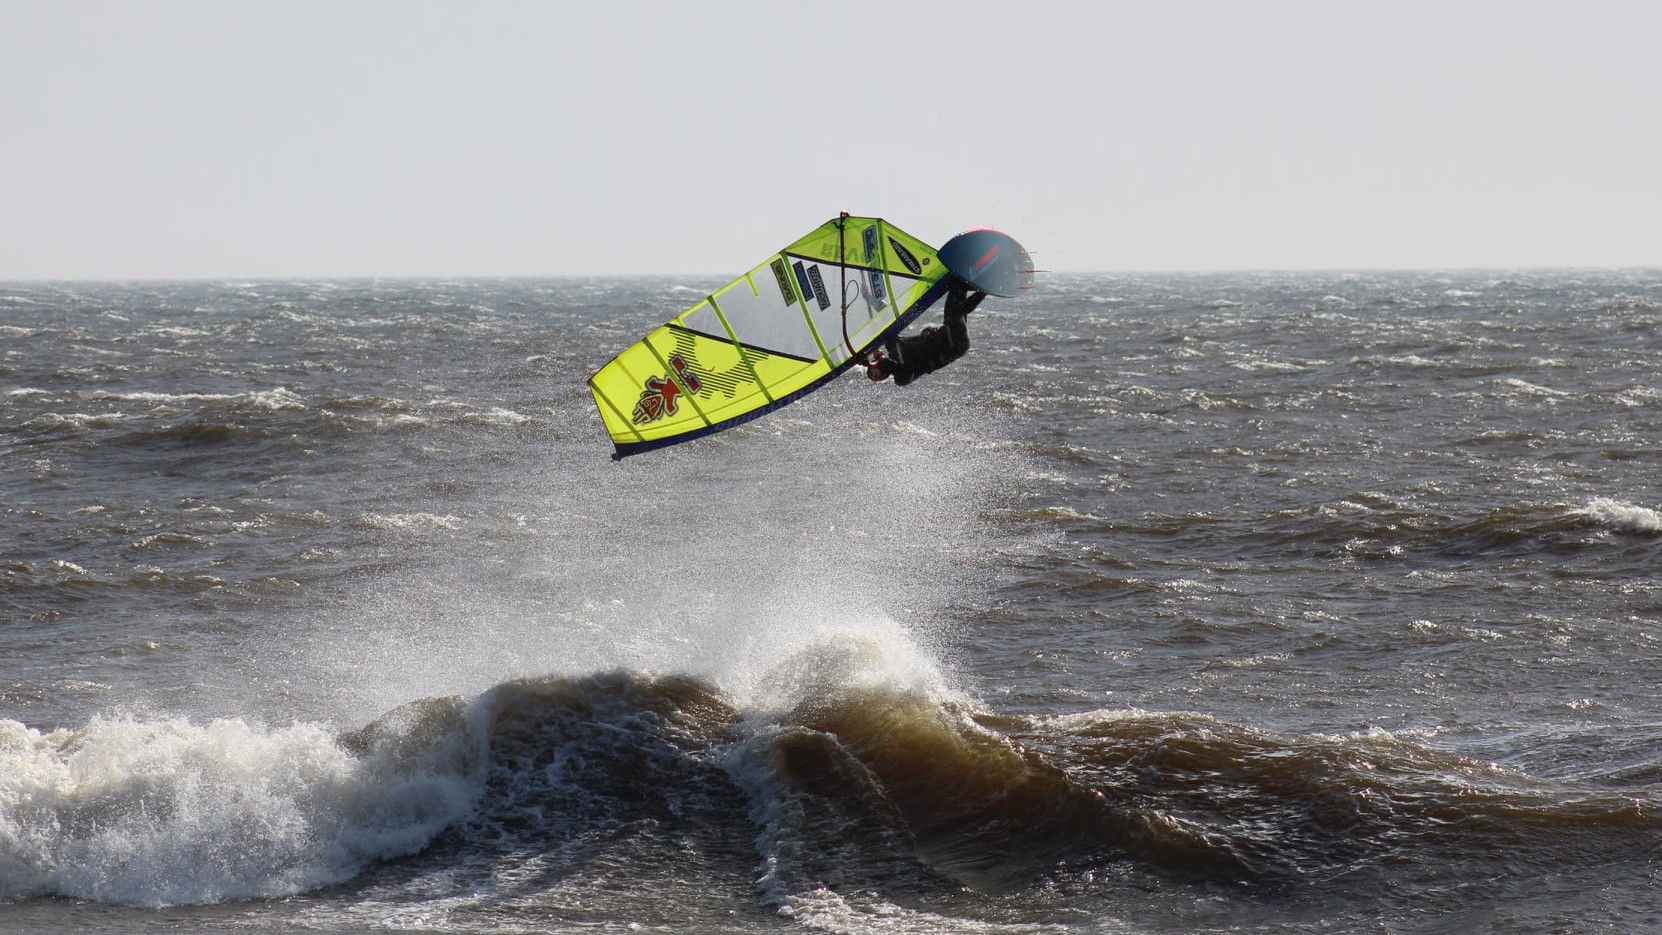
(1269,603)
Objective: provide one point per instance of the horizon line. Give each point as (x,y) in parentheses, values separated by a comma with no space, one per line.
(1171,271)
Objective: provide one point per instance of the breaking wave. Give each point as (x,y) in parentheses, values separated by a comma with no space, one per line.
(156,812)
(1622,516)
(833,794)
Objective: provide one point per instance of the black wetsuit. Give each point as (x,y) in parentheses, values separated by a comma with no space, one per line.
(933,348)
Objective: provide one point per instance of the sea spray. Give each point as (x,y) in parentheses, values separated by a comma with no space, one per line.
(615,566)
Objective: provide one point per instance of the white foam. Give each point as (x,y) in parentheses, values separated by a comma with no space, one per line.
(278,398)
(169,811)
(409,521)
(1635,396)
(496,416)
(1274,366)
(781,669)
(1063,512)
(1619,514)
(145,396)
(1532,389)
(76,420)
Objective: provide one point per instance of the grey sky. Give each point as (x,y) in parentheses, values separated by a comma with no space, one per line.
(170,139)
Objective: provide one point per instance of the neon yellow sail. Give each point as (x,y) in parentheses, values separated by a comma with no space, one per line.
(775,334)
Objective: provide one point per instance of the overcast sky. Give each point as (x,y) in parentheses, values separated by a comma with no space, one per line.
(224,139)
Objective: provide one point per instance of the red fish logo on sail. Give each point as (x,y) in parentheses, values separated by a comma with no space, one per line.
(659,399)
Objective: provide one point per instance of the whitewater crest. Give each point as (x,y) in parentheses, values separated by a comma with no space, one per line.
(169,811)
(1623,516)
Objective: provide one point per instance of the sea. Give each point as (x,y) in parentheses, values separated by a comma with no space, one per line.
(1226,603)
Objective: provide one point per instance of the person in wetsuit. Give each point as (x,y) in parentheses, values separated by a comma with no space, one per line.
(907,358)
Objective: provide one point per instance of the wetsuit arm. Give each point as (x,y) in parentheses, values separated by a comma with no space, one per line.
(957,337)
(960,303)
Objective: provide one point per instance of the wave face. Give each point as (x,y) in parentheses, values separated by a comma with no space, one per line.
(853,805)
(1257,603)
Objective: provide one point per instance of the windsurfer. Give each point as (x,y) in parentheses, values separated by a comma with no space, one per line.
(907,358)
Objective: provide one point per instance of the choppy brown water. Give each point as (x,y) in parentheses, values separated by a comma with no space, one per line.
(1257,603)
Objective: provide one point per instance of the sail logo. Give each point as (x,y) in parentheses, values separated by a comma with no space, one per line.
(905,256)
(813,285)
(802,280)
(874,276)
(784,280)
(820,295)
(661,395)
